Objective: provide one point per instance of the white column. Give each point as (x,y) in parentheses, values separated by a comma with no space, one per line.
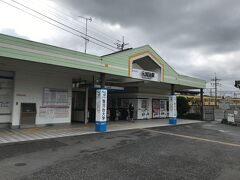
(16,103)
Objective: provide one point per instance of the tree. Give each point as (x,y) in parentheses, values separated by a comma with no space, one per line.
(182,105)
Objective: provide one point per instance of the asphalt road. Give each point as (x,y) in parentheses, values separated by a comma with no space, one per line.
(198,151)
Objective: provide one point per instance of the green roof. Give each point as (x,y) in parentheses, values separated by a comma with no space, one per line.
(116,63)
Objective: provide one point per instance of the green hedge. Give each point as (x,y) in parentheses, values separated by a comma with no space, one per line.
(194,116)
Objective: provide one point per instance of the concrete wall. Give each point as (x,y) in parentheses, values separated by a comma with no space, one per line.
(30,79)
(5,118)
(29,88)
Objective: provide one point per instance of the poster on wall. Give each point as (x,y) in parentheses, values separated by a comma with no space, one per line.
(55,97)
(6,93)
(145,108)
(55,104)
(172,106)
(101,105)
(52,113)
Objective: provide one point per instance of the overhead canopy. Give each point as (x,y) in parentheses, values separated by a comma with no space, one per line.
(140,63)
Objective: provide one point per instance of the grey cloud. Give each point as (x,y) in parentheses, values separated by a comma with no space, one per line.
(175,28)
(212,26)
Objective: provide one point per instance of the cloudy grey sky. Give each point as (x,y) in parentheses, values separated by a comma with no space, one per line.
(197,38)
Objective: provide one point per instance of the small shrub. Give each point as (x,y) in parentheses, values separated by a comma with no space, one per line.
(193,116)
(182,105)
(224,121)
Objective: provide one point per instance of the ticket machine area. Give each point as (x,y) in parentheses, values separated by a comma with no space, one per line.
(144,108)
(159,108)
(141,107)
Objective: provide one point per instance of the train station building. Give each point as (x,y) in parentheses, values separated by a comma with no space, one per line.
(42,84)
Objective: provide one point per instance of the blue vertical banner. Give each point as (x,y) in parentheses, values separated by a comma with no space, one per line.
(101,110)
(172,109)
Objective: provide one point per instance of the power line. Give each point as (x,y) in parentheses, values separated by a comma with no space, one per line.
(66,20)
(52,13)
(77,22)
(54,24)
(120,44)
(61,14)
(63,24)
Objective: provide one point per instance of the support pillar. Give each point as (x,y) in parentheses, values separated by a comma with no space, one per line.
(172,106)
(172,89)
(86,107)
(202,104)
(102,80)
(101,106)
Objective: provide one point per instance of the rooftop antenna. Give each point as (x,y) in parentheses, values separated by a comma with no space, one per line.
(121,44)
(86,33)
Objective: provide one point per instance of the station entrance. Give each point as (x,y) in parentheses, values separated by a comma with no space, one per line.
(117,106)
(144,108)
(83,105)
(148,103)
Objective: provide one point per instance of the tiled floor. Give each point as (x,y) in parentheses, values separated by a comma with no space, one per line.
(20,135)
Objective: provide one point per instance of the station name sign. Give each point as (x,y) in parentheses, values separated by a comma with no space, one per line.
(146,75)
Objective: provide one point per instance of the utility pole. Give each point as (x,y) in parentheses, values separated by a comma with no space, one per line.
(210,92)
(215,83)
(86,33)
(121,45)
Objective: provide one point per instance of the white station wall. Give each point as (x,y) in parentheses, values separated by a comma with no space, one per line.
(29,86)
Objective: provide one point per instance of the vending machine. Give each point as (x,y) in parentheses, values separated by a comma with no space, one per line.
(143,109)
(163,109)
(156,108)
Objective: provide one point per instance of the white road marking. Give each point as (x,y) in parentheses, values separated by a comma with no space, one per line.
(194,138)
(222,130)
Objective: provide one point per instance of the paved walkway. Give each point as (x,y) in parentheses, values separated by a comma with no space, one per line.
(29,134)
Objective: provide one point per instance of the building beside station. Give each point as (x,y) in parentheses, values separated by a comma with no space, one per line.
(42,84)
